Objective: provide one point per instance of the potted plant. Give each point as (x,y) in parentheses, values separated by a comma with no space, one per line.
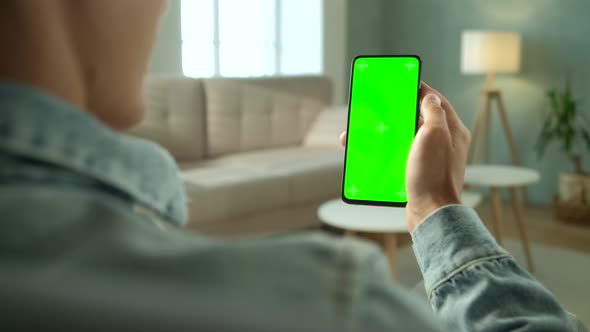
(565,124)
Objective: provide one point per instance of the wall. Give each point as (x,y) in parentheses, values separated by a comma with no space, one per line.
(365,33)
(335,45)
(556,39)
(167,52)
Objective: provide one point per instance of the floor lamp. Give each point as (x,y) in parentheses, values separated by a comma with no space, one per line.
(489,52)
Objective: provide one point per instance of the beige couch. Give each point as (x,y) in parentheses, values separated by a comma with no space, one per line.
(257,155)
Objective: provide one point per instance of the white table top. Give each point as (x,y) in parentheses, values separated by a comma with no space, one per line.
(366,218)
(500,176)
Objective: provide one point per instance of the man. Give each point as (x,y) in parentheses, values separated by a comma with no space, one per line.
(88,214)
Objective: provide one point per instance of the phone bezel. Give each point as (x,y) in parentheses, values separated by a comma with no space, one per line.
(342,194)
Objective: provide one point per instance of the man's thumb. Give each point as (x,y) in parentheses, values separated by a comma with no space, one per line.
(432,111)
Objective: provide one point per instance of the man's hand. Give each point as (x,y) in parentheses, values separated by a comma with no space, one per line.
(436,164)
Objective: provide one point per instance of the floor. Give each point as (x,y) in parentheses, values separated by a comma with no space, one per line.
(542,226)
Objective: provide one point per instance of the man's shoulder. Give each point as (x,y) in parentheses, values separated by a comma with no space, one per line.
(310,256)
(68,237)
(317,244)
(45,215)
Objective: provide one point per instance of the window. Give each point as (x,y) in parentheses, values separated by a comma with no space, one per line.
(251,37)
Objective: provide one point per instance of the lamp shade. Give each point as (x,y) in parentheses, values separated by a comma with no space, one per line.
(490,52)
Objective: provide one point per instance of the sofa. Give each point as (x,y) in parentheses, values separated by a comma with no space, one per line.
(257,155)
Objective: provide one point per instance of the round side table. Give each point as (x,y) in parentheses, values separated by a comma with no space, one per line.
(377,223)
(512,178)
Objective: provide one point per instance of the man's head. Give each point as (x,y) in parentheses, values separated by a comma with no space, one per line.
(93,53)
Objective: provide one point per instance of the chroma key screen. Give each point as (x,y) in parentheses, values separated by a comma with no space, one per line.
(383,109)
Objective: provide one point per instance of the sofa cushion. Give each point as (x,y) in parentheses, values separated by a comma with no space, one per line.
(327,127)
(175,116)
(244,117)
(243,183)
(221,192)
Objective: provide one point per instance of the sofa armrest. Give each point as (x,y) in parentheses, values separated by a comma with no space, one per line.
(327,127)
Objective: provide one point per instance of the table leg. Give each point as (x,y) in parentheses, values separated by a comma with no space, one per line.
(486,130)
(497,214)
(476,131)
(518,216)
(390,248)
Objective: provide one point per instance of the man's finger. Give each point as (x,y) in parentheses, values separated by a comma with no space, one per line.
(343,139)
(452,117)
(427,89)
(420,123)
(432,111)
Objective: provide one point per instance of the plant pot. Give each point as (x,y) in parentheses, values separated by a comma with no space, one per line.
(577,213)
(574,188)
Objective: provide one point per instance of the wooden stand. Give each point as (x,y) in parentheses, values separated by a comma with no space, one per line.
(481,128)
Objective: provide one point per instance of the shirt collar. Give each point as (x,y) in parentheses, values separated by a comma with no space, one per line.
(39,126)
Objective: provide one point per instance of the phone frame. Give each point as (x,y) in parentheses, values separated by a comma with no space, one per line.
(419,87)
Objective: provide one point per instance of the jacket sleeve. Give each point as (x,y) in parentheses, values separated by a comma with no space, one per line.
(475,285)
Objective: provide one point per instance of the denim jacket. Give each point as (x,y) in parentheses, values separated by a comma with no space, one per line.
(83,205)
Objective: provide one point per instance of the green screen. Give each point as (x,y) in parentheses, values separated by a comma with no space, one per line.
(381,127)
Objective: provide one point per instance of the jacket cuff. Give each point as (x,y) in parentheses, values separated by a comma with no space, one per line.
(449,239)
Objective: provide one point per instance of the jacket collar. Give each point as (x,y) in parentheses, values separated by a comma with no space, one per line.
(36,125)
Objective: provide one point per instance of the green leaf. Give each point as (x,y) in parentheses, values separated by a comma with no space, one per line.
(563,122)
(552,95)
(586,137)
(545,136)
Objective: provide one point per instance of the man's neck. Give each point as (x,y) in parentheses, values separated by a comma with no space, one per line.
(39,52)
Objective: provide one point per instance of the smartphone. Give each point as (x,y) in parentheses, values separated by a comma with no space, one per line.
(383,112)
